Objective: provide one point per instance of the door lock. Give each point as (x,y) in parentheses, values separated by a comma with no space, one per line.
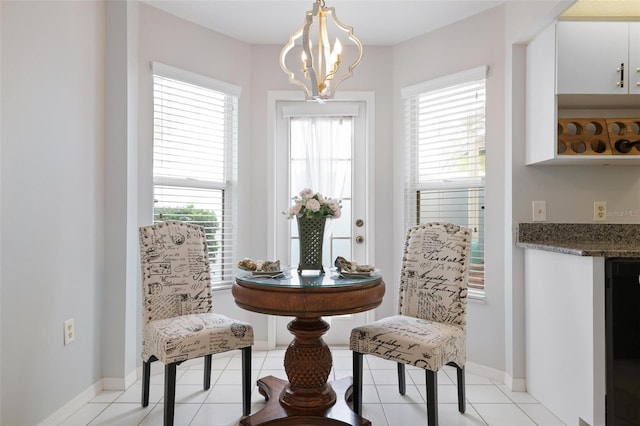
(359,239)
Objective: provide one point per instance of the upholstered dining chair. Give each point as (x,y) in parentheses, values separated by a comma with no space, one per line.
(178,319)
(429,330)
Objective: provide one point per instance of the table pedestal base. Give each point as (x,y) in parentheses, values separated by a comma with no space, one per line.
(274,413)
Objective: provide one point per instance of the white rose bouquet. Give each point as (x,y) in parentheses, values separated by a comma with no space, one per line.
(312,204)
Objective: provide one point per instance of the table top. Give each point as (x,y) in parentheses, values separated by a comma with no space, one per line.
(290,279)
(307,296)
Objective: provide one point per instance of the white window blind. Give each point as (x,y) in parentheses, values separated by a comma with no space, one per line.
(194,161)
(445,134)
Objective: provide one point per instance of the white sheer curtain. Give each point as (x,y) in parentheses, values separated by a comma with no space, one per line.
(321,157)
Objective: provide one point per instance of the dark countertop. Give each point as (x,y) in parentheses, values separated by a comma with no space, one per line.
(581,239)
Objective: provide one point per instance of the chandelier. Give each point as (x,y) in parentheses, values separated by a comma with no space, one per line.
(316,64)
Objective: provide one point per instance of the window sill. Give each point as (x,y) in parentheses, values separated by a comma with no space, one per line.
(477,296)
(221,287)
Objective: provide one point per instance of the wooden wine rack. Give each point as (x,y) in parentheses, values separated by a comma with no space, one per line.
(597,136)
(583,136)
(621,129)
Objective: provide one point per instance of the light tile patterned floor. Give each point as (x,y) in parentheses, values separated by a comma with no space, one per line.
(488,403)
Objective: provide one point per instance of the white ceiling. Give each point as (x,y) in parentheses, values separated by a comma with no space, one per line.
(374,22)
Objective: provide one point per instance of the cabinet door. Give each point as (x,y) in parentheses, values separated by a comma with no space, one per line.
(634,58)
(589,55)
(541,98)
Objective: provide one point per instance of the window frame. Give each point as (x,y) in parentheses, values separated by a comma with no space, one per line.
(228,184)
(413,188)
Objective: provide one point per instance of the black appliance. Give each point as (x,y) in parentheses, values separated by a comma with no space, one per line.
(623,341)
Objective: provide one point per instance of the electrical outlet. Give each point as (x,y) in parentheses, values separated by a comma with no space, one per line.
(600,211)
(539,211)
(69,331)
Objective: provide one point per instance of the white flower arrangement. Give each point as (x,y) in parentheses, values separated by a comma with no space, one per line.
(312,204)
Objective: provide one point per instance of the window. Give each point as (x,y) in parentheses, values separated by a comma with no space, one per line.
(445,136)
(194,159)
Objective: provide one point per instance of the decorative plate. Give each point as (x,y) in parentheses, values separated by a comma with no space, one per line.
(345,274)
(269,274)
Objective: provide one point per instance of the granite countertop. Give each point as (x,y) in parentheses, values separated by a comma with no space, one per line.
(581,239)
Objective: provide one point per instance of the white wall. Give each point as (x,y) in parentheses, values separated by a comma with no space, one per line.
(1,133)
(496,328)
(51,203)
(473,42)
(478,40)
(173,41)
(256,70)
(523,21)
(568,190)
(120,307)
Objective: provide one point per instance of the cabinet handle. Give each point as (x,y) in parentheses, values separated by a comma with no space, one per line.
(621,70)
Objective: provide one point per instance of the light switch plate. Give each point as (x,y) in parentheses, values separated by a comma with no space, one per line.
(539,211)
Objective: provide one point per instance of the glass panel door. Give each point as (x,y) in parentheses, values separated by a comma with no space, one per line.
(325,152)
(321,159)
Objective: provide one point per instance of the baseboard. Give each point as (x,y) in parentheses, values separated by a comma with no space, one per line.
(117,383)
(74,405)
(261,345)
(484,371)
(109,383)
(498,376)
(515,385)
(106,383)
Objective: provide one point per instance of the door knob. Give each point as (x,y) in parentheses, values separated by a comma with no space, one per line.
(359,239)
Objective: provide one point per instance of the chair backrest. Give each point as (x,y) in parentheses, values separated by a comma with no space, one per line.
(175,270)
(433,280)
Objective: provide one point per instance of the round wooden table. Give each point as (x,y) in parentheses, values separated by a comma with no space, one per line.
(307,398)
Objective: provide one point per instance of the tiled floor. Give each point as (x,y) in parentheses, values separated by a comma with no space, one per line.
(488,403)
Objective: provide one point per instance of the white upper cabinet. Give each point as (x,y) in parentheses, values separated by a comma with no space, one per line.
(583,94)
(598,57)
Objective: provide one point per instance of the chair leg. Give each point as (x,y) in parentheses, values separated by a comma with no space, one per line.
(207,371)
(462,406)
(146,376)
(432,398)
(169,393)
(357,383)
(246,379)
(402,383)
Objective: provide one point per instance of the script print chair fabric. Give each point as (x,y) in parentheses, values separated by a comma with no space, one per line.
(429,331)
(178,319)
